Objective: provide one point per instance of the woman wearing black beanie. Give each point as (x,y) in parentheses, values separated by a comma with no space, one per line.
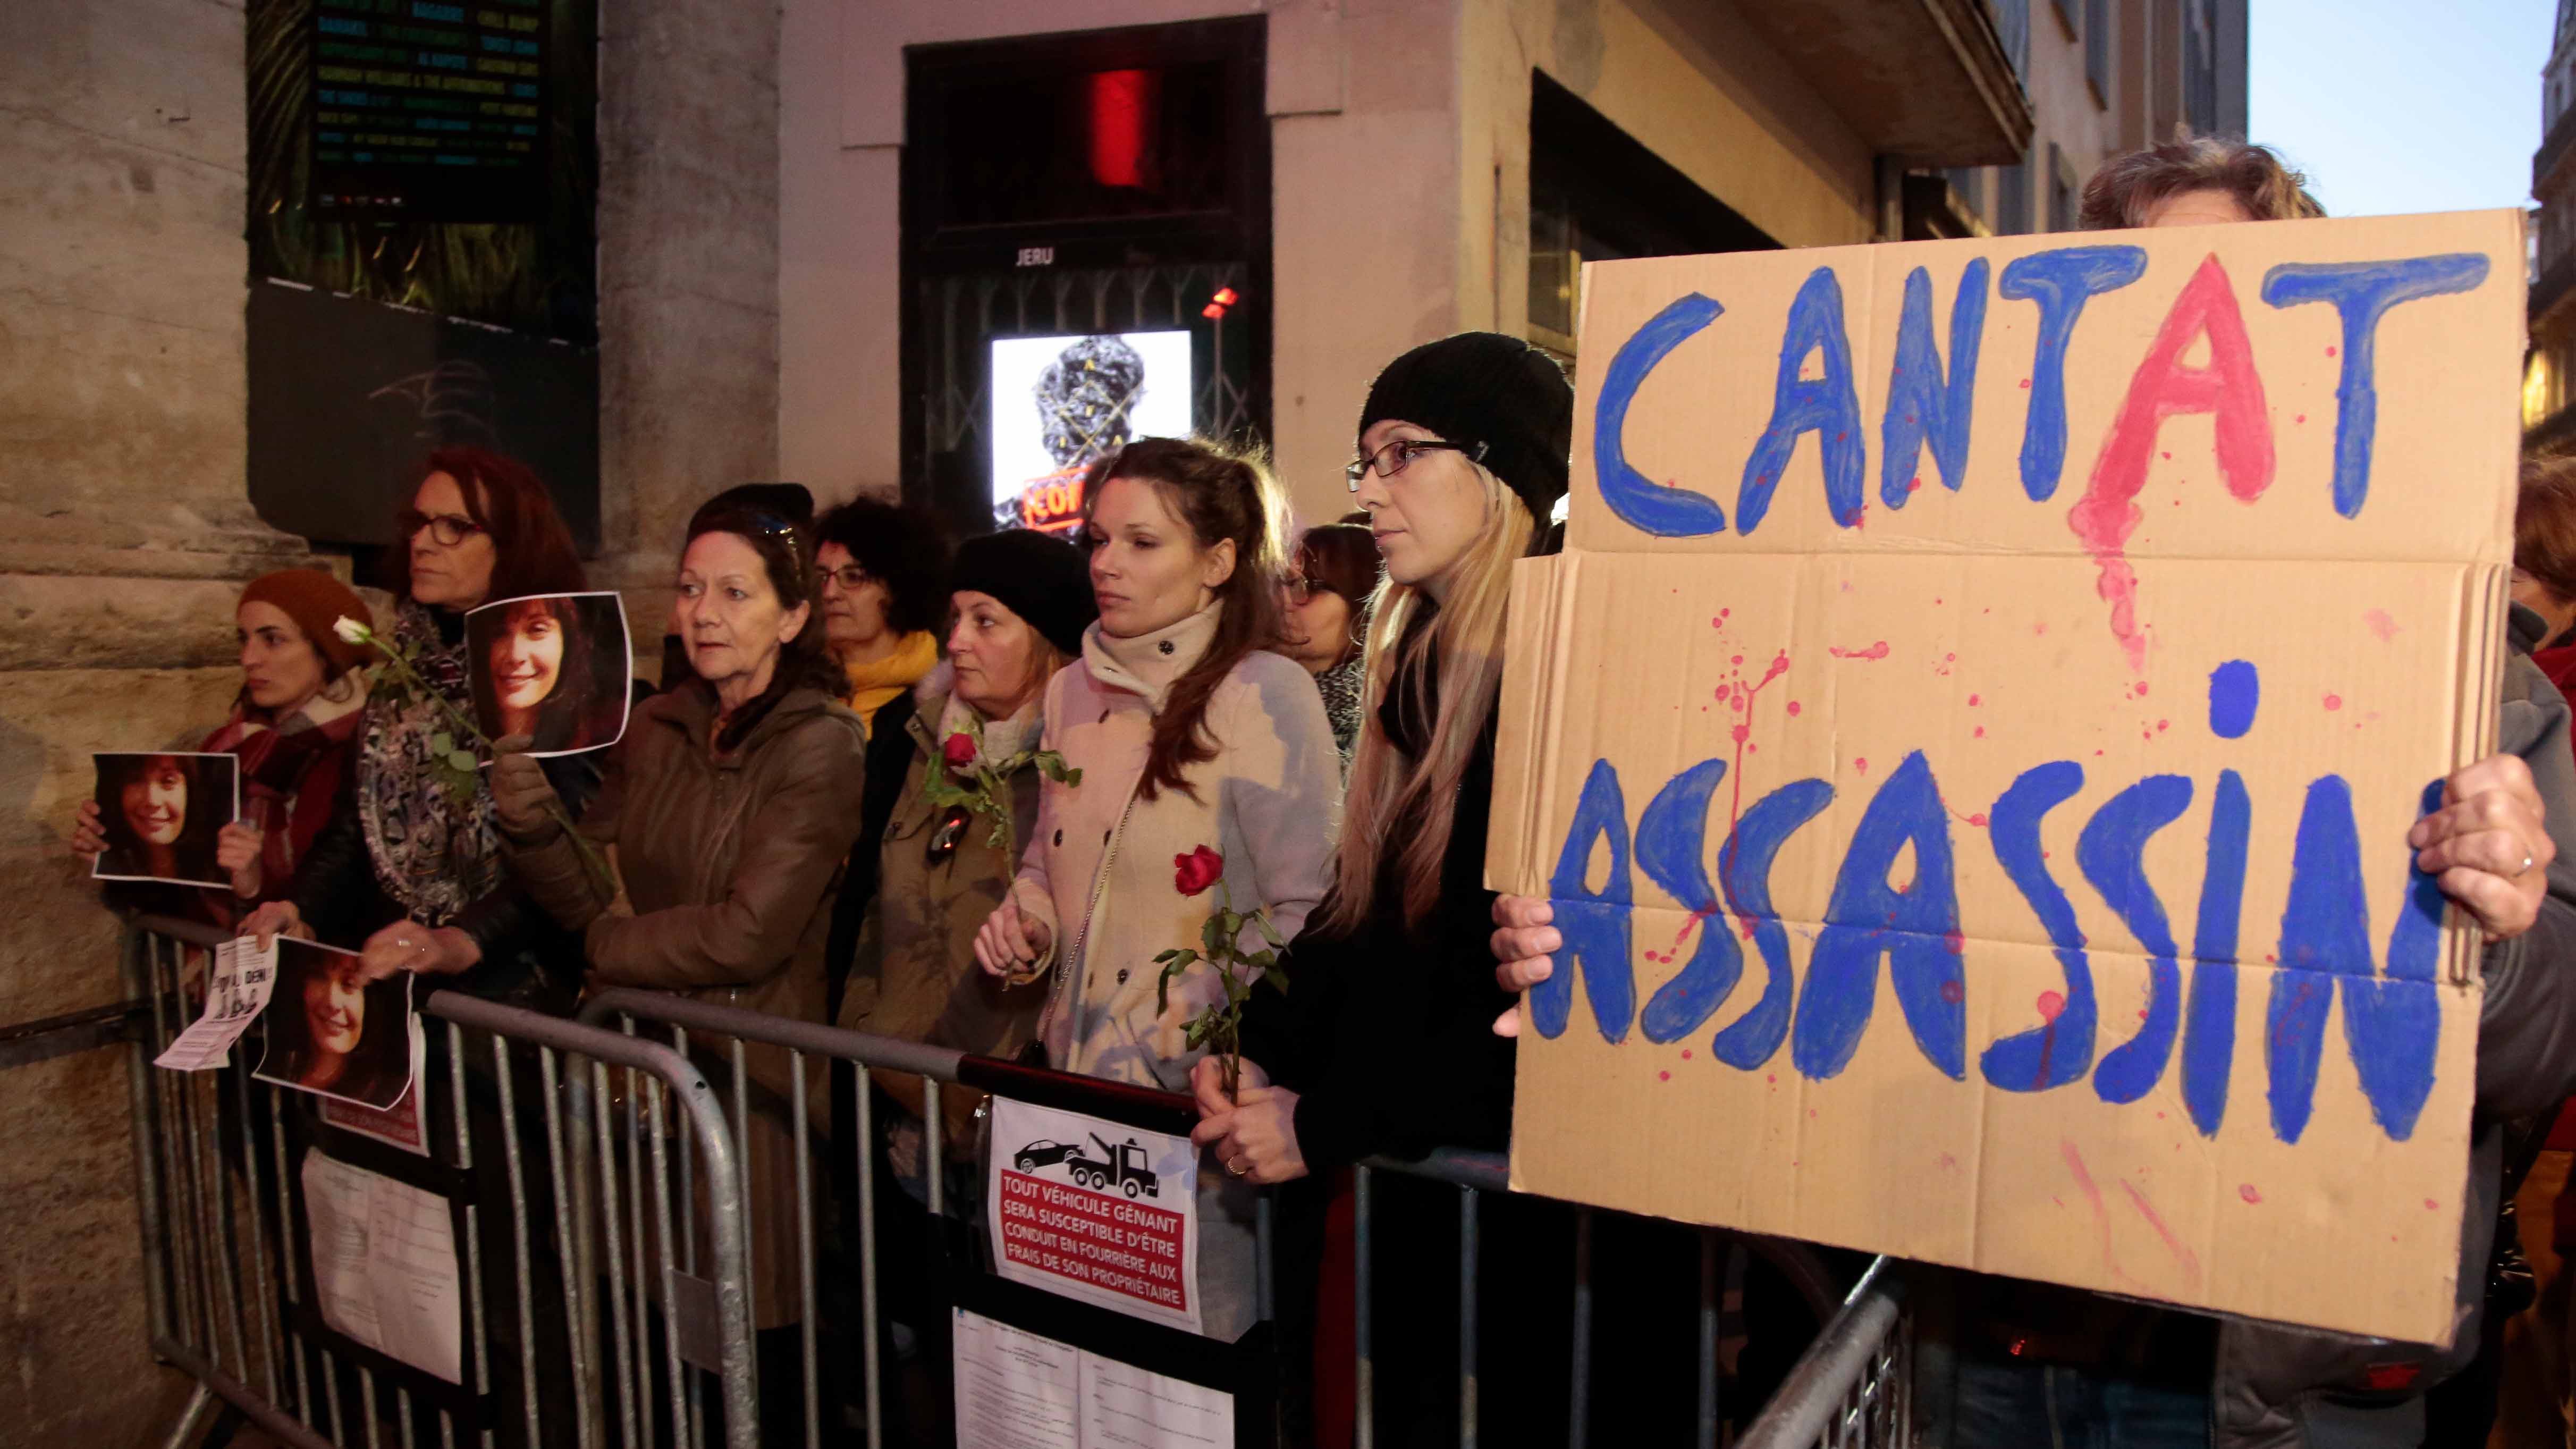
(1383,1044)
(1019,603)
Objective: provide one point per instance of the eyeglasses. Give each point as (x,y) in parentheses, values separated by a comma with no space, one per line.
(850,577)
(448,528)
(1391,459)
(1299,590)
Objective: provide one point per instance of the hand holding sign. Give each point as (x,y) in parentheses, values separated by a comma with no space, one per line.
(2488,846)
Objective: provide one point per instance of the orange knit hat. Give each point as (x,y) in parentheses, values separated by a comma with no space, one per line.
(315,601)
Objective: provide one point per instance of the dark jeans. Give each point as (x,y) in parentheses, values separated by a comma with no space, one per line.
(2035,1406)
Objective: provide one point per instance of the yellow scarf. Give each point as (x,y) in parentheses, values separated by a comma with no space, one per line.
(874,685)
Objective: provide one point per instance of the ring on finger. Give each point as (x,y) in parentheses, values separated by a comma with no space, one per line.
(2526,866)
(1236,1166)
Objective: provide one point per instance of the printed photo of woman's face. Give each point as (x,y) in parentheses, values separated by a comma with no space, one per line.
(552,668)
(335,1008)
(156,802)
(527,654)
(332,1031)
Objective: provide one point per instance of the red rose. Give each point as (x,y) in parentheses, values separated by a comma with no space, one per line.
(959,751)
(1196,871)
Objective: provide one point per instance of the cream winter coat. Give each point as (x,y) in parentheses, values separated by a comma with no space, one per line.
(1100,872)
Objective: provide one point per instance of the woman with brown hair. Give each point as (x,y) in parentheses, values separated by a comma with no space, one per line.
(1208,779)
(1326,594)
(408,872)
(728,808)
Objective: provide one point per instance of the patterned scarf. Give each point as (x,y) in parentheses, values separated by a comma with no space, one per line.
(433,854)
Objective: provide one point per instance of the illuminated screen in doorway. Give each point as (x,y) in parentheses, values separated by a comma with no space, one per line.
(1059,403)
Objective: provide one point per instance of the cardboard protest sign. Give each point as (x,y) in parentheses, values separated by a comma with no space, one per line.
(161,814)
(554,667)
(1970,741)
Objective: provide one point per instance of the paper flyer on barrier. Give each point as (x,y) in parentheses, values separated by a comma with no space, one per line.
(238,984)
(384,1264)
(1096,1211)
(1021,1390)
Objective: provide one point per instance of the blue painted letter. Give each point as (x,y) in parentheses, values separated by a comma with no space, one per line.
(1827,407)
(1920,401)
(2392,1023)
(2060,281)
(1670,840)
(2362,292)
(1639,502)
(2112,852)
(2060,1049)
(1915,928)
(2209,1027)
(1595,927)
(1744,865)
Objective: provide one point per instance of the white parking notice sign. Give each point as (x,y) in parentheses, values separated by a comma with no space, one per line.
(1095,1211)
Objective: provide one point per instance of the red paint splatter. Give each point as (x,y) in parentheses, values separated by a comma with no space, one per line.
(2246,1191)
(1948,1161)
(1861,765)
(1875,651)
(1737,660)
(2093,1195)
(2301,418)
(2431,1206)
(1793,709)
(1981,732)
(2025,382)
(2380,624)
(2050,1004)
(1773,1078)
(2162,725)
(2039,628)
(1685,1053)
(2334,701)
(2142,689)
(2189,1260)
(1958,943)
(1974,701)
(2162,387)
(2330,352)
(1663,1076)
(1739,697)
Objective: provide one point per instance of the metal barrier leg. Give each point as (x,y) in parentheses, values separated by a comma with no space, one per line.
(613,1252)
(1466,1318)
(575,1263)
(475,1317)
(192,1419)
(141,1090)
(1578,1429)
(805,1254)
(528,1394)
(869,1350)
(1709,1249)
(1366,1430)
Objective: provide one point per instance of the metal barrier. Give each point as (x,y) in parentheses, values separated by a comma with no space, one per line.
(1854,1388)
(229,1304)
(640,1190)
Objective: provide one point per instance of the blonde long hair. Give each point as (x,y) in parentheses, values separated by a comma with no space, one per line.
(1389,791)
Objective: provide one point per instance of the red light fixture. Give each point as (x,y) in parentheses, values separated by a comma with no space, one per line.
(1212,311)
(1225,297)
(1121,106)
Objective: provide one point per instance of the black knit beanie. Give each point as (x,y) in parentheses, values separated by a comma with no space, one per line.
(1484,387)
(1042,579)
